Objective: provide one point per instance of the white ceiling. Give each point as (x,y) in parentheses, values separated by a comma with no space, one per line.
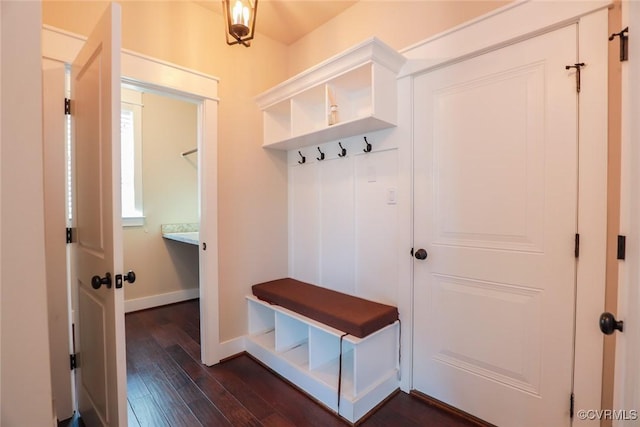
(288,20)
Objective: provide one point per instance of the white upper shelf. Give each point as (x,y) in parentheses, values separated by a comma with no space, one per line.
(360,85)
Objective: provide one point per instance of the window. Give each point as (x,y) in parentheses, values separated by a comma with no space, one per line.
(131,157)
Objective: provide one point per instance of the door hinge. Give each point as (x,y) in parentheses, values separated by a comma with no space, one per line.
(622,247)
(576,250)
(578,66)
(67,107)
(70,234)
(73,361)
(624,43)
(572,404)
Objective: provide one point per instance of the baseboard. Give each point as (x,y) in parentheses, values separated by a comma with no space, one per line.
(233,347)
(160,299)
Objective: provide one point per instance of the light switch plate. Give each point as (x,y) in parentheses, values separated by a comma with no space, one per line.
(392,196)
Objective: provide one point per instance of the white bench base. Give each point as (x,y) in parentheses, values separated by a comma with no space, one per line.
(307,353)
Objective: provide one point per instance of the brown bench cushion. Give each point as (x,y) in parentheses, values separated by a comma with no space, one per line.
(356,316)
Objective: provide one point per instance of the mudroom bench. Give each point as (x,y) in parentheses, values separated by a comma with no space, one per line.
(327,343)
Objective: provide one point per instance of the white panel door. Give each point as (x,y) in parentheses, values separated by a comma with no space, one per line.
(95,88)
(495,210)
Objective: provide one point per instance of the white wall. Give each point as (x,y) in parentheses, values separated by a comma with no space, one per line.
(170,195)
(26,381)
(252,182)
(387,20)
(342,229)
(627,375)
(0,209)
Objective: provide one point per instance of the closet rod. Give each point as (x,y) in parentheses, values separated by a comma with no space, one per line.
(186,153)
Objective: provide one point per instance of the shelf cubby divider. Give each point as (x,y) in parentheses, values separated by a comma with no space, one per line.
(261,318)
(308,111)
(290,332)
(277,120)
(352,94)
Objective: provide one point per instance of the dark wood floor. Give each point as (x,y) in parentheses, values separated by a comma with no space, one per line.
(168,386)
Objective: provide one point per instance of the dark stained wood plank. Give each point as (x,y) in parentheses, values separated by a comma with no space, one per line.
(207,413)
(226,402)
(173,407)
(244,393)
(167,384)
(448,415)
(136,386)
(148,412)
(298,407)
(131,416)
(402,410)
(276,420)
(235,412)
(189,392)
(171,334)
(193,369)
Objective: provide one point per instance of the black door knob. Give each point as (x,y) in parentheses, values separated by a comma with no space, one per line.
(129,277)
(609,324)
(421,254)
(97,281)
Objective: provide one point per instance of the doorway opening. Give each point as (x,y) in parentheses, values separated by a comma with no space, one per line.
(152,76)
(160,200)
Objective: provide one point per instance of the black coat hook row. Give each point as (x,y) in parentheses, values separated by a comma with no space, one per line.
(367,149)
(343,151)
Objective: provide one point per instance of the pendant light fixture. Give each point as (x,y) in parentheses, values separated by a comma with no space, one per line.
(240,20)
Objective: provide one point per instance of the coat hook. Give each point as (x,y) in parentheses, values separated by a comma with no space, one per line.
(343,151)
(368,147)
(321,155)
(303,159)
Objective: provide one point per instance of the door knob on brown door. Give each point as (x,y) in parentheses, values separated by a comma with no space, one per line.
(97,281)
(421,254)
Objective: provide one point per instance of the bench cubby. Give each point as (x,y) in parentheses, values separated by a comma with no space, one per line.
(309,354)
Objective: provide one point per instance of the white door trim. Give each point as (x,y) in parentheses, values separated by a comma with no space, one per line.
(517,22)
(627,372)
(154,74)
(56,248)
(60,45)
